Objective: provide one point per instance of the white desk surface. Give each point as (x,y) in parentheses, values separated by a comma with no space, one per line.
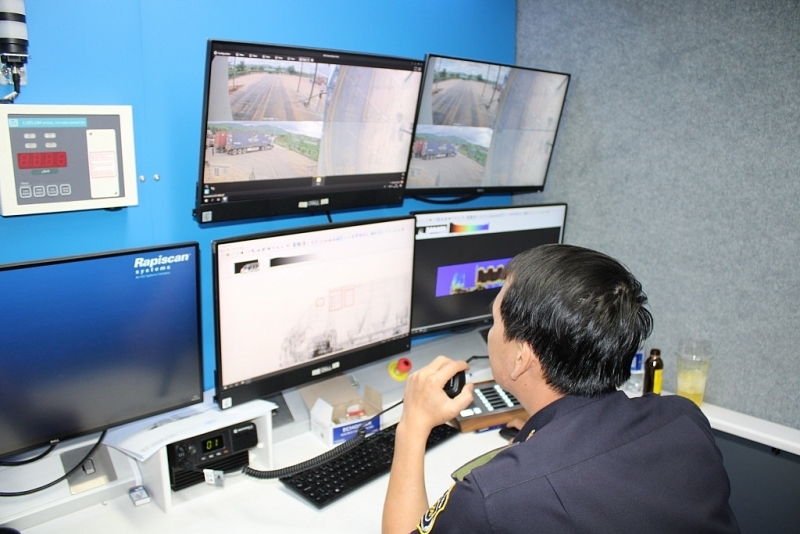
(249,505)
(752,428)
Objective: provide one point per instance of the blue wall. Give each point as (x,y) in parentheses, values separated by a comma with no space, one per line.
(150,54)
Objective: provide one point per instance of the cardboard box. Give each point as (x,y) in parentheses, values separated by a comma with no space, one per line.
(329,402)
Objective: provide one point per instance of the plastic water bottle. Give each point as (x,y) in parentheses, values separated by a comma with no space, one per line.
(634,383)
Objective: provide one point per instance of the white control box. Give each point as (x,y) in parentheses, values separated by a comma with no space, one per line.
(66,158)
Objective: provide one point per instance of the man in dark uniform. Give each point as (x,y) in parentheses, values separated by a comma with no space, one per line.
(567,324)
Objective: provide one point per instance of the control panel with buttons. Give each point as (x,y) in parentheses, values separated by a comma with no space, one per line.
(66,158)
(225,450)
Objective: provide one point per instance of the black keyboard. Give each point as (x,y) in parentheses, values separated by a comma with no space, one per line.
(331,480)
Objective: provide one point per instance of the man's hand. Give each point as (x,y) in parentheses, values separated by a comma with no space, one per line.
(425,405)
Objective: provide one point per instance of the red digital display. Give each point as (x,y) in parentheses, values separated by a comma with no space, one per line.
(41,160)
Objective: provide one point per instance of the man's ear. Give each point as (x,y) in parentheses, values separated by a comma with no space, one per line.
(524,359)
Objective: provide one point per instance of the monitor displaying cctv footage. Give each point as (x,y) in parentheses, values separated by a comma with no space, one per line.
(484,127)
(289,130)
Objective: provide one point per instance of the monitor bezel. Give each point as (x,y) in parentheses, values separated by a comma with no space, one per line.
(310,372)
(272,202)
(481,321)
(425,193)
(84,430)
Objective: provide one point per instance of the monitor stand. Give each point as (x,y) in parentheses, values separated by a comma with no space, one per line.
(282,415)
(114,473)
(96,471)
(484,332)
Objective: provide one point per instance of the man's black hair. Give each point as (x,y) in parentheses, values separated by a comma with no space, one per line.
(582,312)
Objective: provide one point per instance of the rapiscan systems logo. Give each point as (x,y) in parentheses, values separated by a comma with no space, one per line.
(145,267)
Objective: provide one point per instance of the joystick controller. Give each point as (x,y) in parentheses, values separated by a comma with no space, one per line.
(455,384)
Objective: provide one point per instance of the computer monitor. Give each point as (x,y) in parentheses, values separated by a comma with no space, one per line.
(460,258)
(290,130)
(297,305)
(90,342)
(484,127)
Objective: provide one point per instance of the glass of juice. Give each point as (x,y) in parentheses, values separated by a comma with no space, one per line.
(694,358)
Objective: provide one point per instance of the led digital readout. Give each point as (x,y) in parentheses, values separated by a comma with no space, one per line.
(212,444)
(41,160)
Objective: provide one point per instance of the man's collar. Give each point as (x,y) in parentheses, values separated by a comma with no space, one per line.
(553,410)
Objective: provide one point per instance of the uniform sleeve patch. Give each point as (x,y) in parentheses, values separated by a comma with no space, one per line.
(426,523)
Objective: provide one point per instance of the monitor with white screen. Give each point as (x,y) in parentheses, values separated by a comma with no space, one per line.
(294,306)
(460,258)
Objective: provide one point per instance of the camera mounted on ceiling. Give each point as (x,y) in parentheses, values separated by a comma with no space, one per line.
(13,46)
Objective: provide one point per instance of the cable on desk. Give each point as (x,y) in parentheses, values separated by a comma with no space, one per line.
(49,449)
(59,479)
(355,441)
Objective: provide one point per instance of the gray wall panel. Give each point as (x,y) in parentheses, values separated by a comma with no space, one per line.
(678,154)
